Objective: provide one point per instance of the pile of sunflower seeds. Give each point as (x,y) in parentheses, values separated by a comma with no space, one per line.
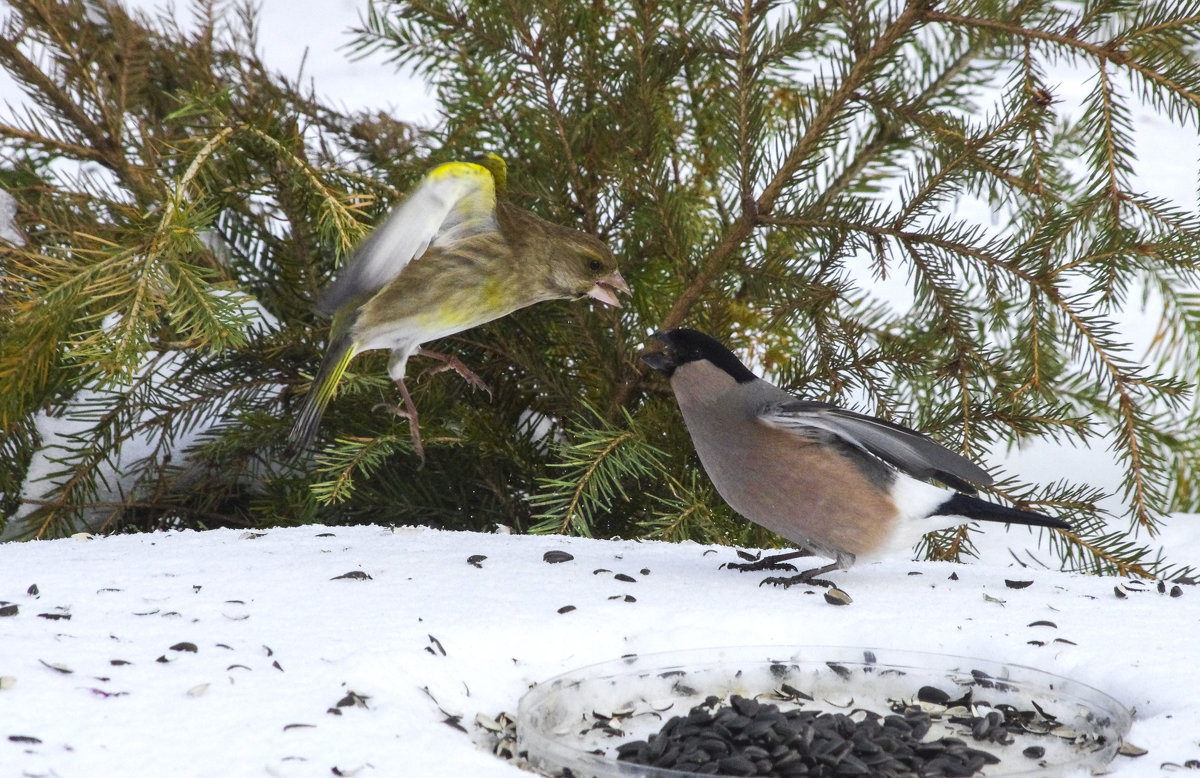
(748,737)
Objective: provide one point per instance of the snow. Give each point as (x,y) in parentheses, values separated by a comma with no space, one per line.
(280,639)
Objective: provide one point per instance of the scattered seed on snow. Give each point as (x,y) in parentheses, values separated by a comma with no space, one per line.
(1129,749)
(25,739)
(238,667)
(1011,584)
(9,610)
(54,616)
(555,557)
(625,578)
(286,727)
(354,575)
(32,591)
(118,662)
(476,560)
(58,668)
(436,643)
(566,609)
(353,699)
(835,596)
(185,646)
(1042,623)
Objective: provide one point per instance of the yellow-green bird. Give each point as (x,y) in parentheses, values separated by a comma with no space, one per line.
(451,256)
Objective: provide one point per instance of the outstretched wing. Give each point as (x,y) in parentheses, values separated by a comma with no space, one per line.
(901,447)
(454,201)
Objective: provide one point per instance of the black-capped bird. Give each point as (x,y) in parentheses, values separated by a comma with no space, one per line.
(451,256)
(834,482)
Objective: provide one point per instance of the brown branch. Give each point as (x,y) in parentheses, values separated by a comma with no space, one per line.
(1103,52)
(717,259)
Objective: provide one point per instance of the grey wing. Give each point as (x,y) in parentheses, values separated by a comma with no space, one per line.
(455,200)
(907,450)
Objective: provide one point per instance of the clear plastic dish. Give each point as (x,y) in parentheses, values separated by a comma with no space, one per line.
(571,725)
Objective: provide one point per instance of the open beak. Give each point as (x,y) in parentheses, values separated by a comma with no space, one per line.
(606,287)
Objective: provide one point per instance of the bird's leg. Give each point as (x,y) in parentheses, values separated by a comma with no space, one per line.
(450,362)
(808,577)
(409,411)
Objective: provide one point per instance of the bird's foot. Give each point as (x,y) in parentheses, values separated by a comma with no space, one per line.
(807,578)
(450,362)
(772,562)
(760,565)
(409,411)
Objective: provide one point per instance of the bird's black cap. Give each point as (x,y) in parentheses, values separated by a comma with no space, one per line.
(685,345)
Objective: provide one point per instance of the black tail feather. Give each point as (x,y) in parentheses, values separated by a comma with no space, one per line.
(975,508)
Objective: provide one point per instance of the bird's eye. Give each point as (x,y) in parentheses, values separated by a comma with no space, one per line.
(595,265)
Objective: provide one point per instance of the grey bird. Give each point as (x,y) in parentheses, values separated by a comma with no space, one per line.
(834,482)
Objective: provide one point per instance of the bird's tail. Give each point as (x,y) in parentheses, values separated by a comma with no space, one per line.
(975,508)
(334,363)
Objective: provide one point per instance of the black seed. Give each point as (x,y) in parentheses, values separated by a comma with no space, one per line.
(9,610)
(555,557)
(476,560)
(1034,752)
(24,739)
(932,694)
(566,609)
(744,706)
(185,646)
(353,575)
(32,591)
(841,671)
(737,765)
(625,578)
(1017,584)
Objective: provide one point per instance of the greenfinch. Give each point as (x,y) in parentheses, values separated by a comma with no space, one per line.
(451,256)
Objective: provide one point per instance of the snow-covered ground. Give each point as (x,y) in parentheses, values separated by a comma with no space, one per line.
(225,653)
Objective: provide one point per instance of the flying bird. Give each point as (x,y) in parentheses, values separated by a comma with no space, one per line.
(451,256)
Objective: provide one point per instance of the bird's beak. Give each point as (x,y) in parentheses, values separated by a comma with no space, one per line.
(662,360)
(606,287)
(658,360)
